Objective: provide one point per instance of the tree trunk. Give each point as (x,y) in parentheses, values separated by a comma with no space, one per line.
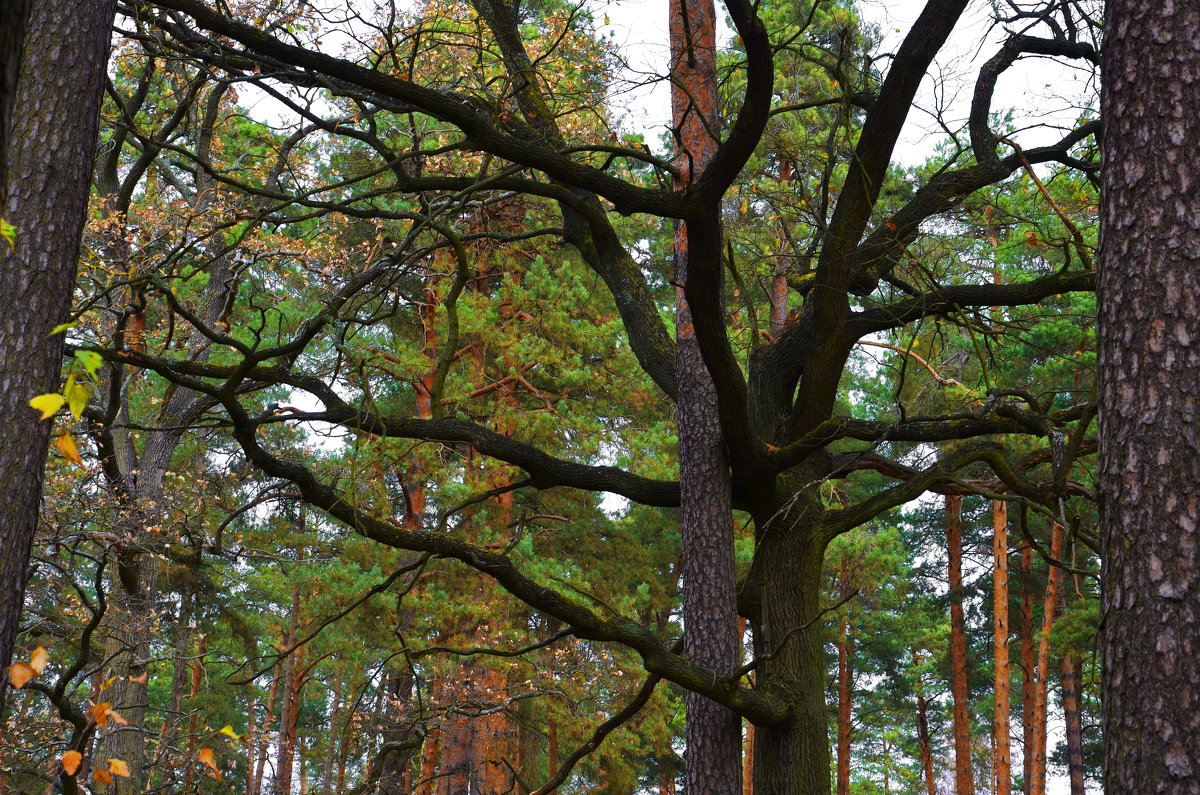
(1003,758)
(1028,661)
(791,757)
(963,773)
(923,739)
(843,712)
(1069,679)
(713,732)
(52,139)
(1149,375)
(1049,606)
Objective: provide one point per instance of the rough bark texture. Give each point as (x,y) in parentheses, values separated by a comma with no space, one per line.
(1037,781)
(1028,691)
(963,772)
(14,19)
(1149,290)
(845,693)
(55,132)
(714,732)
(1003,755)
(1069,679)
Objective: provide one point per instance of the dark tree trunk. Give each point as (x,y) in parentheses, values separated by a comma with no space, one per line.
(1149,376)
(845,694)
(713,732)
(52,143)
(1069,679)
(14,19)
(963,772)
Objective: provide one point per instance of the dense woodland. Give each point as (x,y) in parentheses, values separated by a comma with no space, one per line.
(417,398)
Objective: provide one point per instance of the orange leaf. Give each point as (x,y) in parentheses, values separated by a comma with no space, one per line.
(66,447)
(205,757)
(38,660)
(891,226)
(70,762)
(99,713)
(19,674)
(140,680)
(116,717)
(118,768)
(103,776)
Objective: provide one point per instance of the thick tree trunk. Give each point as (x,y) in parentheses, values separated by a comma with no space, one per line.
(1003,758)
(964,777)
(52,139)
(1148,381)
(792,757)
(713,732)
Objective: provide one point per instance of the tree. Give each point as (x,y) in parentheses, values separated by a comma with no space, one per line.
(1149,371)
(413,158)
(54,131)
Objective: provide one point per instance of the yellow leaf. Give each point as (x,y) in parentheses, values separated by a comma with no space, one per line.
(205,757)
(103,776)
(48,404)
(229,732)
(39,658)
(19,674)
(65,445)
(61,327)
(9,233)
(70,762)
(118,768)
(77,396)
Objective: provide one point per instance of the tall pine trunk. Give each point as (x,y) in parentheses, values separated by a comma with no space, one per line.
(1149,377)
(964,776)
(1049,607)
(1003,754)
(1028,661)
(713,732)
(845,692)
(1069,680)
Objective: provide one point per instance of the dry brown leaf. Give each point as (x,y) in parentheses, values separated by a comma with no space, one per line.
(71,761)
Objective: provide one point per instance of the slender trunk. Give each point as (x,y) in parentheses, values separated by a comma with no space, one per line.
(52,141)
(713,732)
(430,753)
(197,666)
(1049,607)
(282,783)
(1069,679)
(251,737)
(327,770)
(1028,661)
(268,714)
(923,739)
(1002,758)
(843,712)
(963,772)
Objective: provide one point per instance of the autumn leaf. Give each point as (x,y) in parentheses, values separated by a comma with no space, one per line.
(65,445)
(229,732)
(9,233)
(118,768)
(48,404)
(39,658)
(19,674)
(103,776)
(205,757)
(71,761)
(99,713)
(140,680)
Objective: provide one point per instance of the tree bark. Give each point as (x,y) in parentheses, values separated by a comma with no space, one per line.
(713,732)
(1049,607)
(1003,757)
(1069,679)
(51,142)
(1028,661)
(964,776)
(1149,375)
(845,677)
(923,739)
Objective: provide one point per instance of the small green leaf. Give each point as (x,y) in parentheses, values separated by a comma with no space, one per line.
(61,327)
(48,404)
(90,360)
(9,233)
(77,396)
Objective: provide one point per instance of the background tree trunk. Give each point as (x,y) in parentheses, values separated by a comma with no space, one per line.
(963,773)
(1003,755)
(59,93)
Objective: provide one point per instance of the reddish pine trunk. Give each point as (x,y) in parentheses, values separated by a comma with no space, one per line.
(1002,757)
(430,752)
(193,719)
(1069,678)
(1049,606)
(713,732)
(1028,661)
(843,712)
(963,772)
